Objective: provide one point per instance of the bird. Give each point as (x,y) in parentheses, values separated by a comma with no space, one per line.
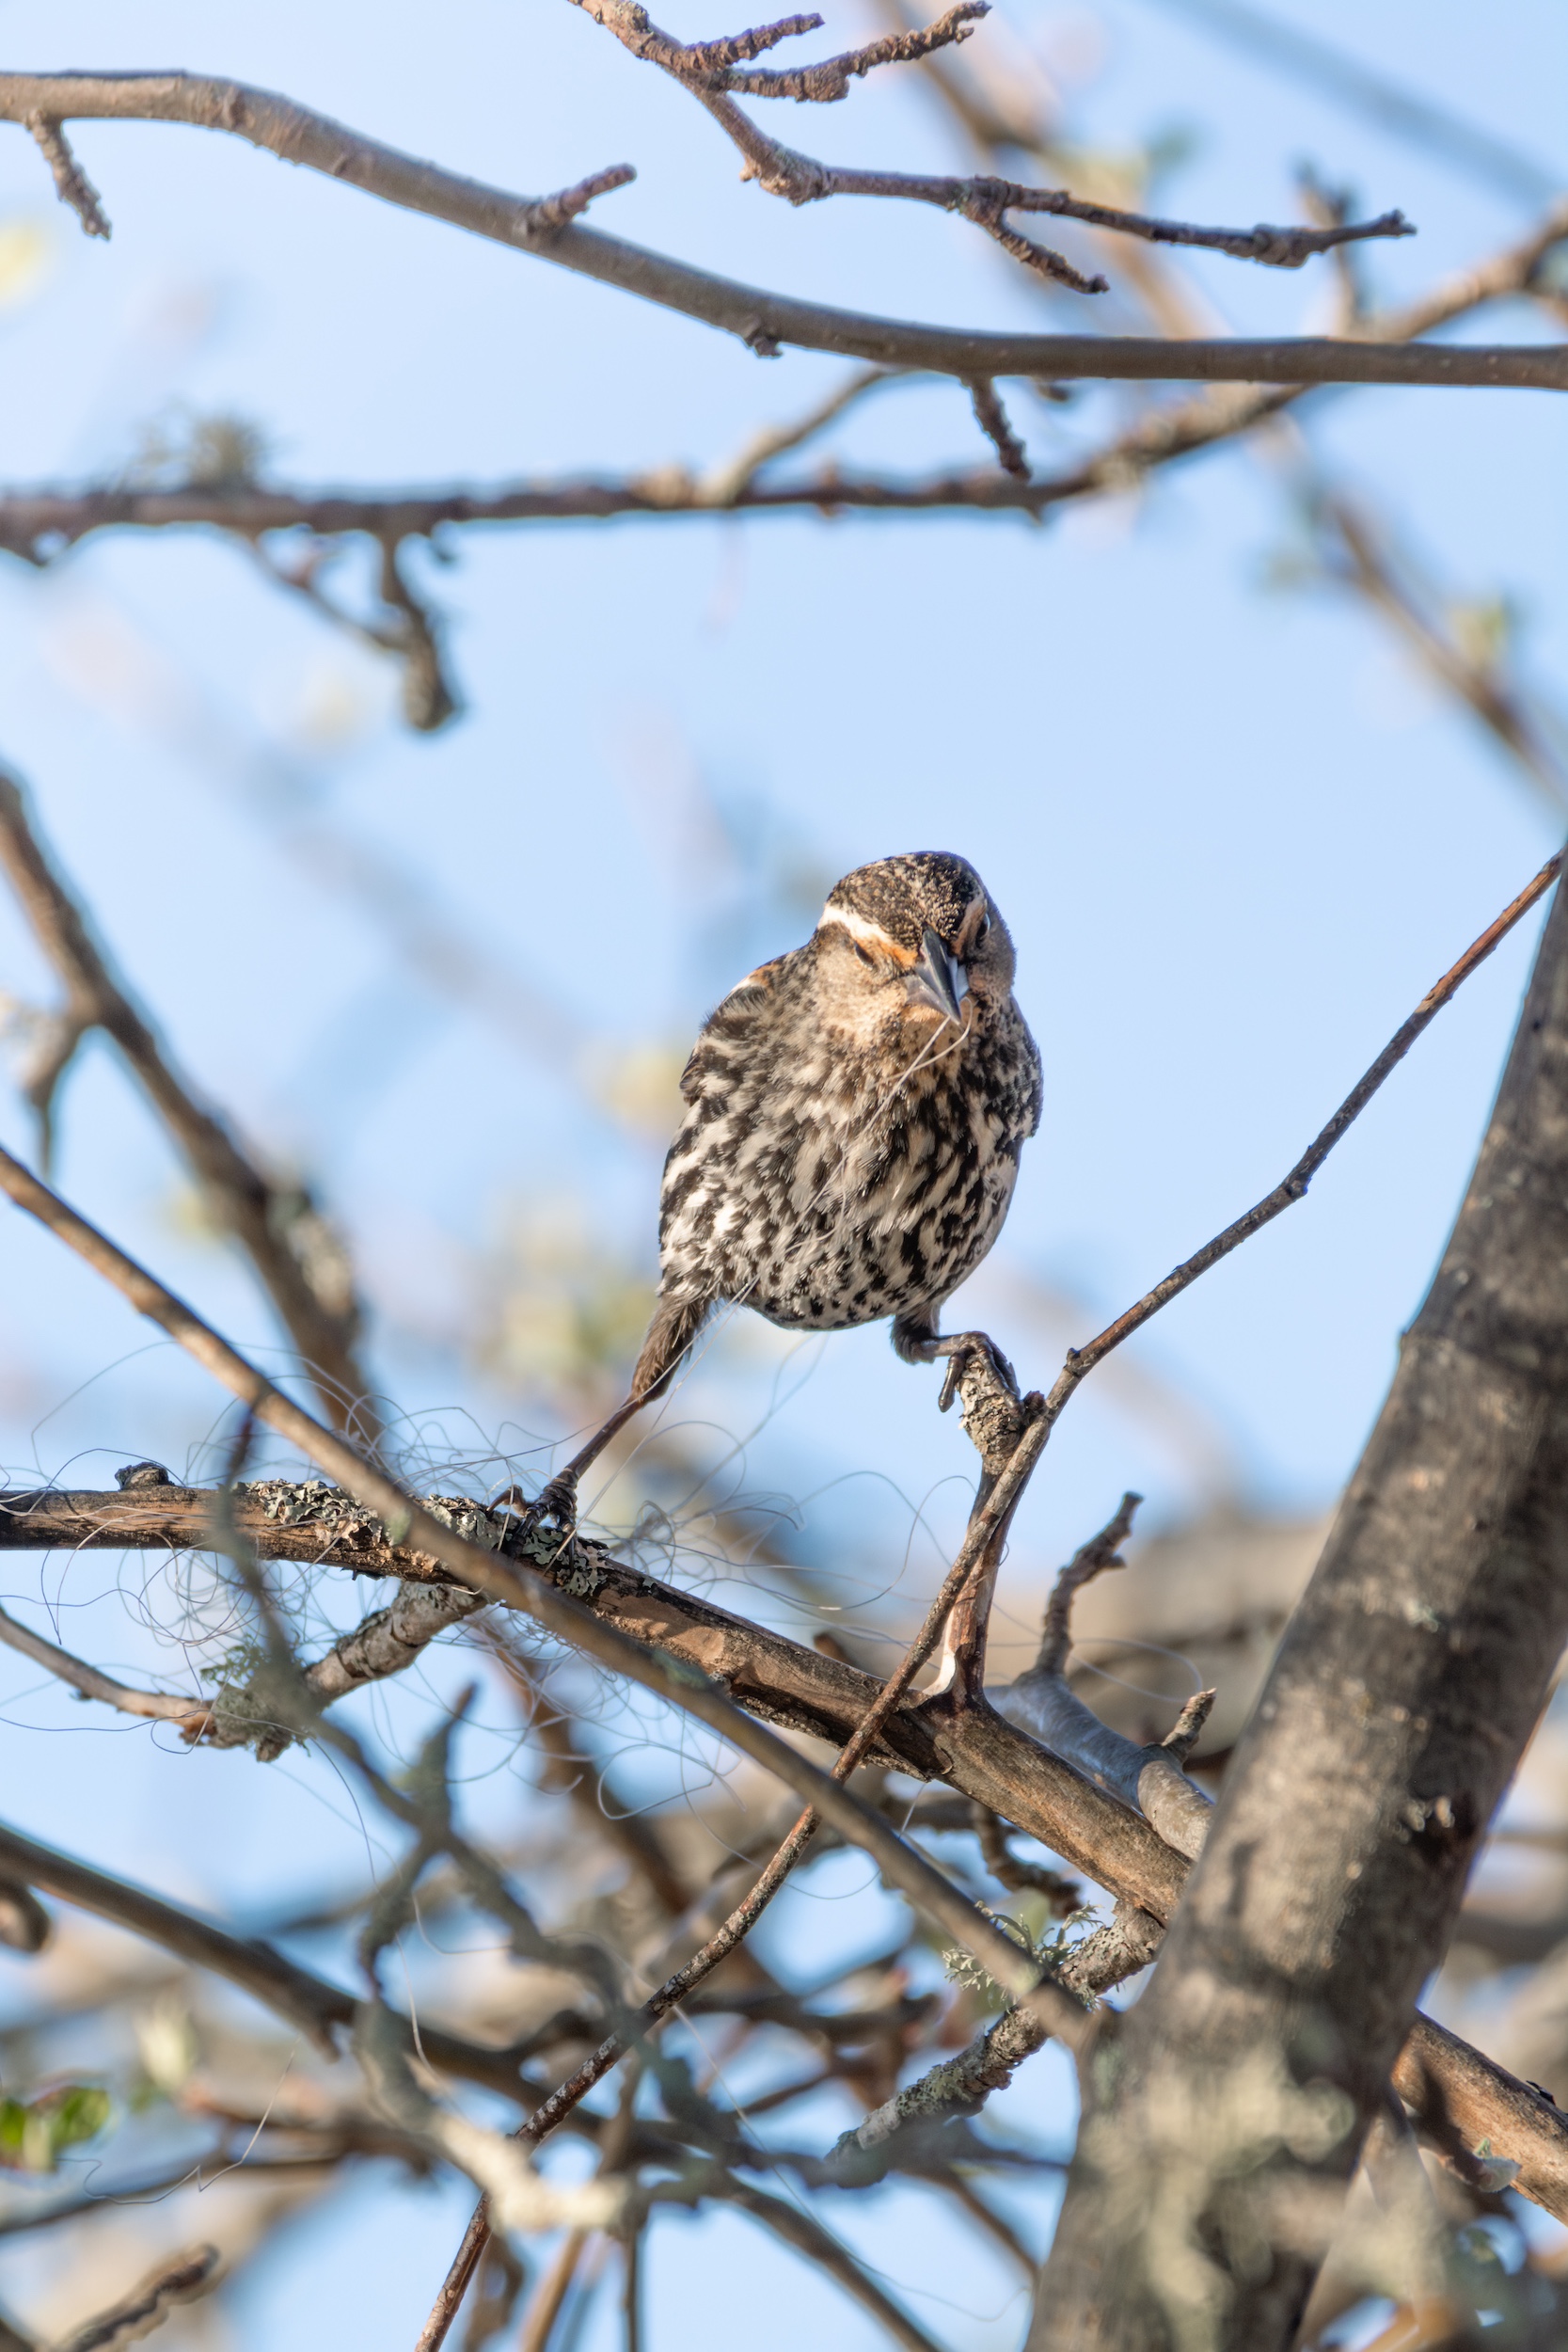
(855,1110)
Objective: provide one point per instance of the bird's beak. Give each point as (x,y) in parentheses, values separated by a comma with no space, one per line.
(938,979)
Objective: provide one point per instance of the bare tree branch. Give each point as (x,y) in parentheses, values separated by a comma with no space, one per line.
(180,2279)
(802,2231)
(310,2003)
(764,321)
(802,180)
(960,2085)
(406,630)
(715,65)
(780,1680)
(1308,60)
(299,1259)
(36,524)
(385,1643)
(1357,554)
(90,1684)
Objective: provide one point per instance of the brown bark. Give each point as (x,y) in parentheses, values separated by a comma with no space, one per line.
(1408,1683)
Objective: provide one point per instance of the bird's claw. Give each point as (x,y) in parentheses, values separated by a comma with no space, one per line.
(962,1352)
(556,1501)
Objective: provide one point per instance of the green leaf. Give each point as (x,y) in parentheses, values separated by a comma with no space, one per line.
(34,2133)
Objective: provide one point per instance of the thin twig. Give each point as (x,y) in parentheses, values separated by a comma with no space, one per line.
(1082,1361)
(409,632)
(1357,555)
(72,182)
(1100,1552)
(191,1714)
(725,483)
(991,418)
(387,1642)
(544,2309)
(802,2231)
(552,213)
(718,65)
(308,2002)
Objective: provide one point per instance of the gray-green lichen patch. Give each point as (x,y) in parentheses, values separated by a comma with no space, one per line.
(573,1566)
(259,1701)
(582,1580)
(312,1503)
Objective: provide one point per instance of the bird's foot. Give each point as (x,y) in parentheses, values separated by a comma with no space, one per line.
(973,1351)
(556,1501)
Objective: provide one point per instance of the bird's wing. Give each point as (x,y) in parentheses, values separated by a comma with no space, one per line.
(1036,1089)
(731,1023)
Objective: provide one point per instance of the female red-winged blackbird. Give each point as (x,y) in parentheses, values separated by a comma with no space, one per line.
(855,1111)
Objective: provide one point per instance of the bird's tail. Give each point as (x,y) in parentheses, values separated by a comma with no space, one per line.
(675,1324)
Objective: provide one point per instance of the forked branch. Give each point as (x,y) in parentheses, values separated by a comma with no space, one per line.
(707,71)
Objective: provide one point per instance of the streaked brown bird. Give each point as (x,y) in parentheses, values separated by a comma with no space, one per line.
(855,1110)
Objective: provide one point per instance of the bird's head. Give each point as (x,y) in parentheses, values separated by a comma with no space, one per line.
(916,938)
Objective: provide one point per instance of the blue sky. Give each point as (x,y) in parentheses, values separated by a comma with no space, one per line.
(1234,835)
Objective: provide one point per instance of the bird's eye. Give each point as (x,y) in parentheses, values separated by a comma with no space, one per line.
(984,930)
(864,953)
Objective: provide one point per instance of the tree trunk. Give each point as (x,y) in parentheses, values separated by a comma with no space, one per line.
(1224,2121)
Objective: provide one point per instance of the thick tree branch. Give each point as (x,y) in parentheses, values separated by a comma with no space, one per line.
(298,1260)
(775,1678)
(1409,1681)
(788,1683)
(764,321)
